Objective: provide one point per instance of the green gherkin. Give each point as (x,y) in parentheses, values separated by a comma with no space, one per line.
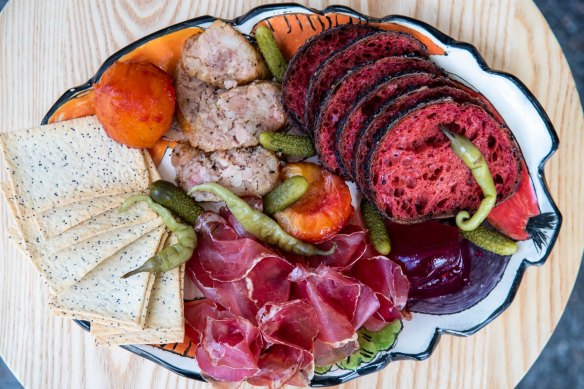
(271,52)
(491,241)
(293,145)
(285,194)
(377,231)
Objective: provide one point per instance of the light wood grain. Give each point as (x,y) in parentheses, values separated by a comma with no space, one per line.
(47,46)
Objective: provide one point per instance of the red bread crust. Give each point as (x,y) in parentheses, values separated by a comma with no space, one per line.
(413,175)
(308,57)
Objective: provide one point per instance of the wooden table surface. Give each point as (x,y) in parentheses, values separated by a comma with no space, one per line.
(48,46)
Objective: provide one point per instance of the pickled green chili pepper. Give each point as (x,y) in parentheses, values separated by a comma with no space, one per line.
(172,256)
(271,52)
(258,224)
(475,161)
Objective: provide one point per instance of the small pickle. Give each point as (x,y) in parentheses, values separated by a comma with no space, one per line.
(271,52)
(172,256)
(491,241)
(377,231)
(475,161)
(285,194)
(293,145)
(174,198)
(258,224)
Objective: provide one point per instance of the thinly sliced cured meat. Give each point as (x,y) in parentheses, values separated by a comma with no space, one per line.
(342,305)
(348,129)
(326,353)
(222,254)
(293,323)
(282,365)
(390,285)
(308,58)
(346,91)
(368,48)
(350,244)
(412,152)
(264,279)
(290,328)
(227,346)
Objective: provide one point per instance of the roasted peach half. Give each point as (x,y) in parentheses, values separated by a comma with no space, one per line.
(135,103)
(323,210)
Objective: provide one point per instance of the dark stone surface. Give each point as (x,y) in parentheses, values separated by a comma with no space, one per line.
(560,364)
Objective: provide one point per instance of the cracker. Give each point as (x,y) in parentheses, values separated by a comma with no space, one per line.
(55,221)
(61,163)
(104,294)
(58,220)
(66,267)
(164,320)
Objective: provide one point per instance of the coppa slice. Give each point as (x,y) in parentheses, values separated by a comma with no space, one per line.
(413,175)
(308,58)
(443,88)
(347,91)
(349,127)
(368,48)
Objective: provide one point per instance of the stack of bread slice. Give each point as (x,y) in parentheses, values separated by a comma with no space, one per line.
(66,183)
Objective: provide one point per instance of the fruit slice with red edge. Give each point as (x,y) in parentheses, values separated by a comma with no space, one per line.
(322,211)
(518,217)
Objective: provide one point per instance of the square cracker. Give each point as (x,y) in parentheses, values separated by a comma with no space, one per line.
(103,293)
(109,221)
(164,319)
(56,221)
(60,163)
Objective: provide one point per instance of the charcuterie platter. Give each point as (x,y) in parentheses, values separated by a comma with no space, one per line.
(379,210)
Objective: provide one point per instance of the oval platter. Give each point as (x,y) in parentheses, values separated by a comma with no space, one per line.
(494,280)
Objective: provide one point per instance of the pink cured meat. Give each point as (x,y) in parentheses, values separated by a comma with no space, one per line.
(390,285)
(412,152)
(290,328)
(349,127)
(222,254)
(393,108)
(344,94)
(307,59)
(227,346)
(342,305)
(368,48)
(265,279)
(351,244)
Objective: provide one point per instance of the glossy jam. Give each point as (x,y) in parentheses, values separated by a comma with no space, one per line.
(432,256)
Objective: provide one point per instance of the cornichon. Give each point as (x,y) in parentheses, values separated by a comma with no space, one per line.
(377,231)
(172,197)
(285,194)
(294,145)
(271,52)
(491,241)
(475,161)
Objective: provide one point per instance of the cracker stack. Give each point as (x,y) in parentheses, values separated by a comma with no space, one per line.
(66,183)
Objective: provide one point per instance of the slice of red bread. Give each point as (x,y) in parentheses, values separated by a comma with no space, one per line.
(367,48)
(445,88)
(413,175)
(308,57)
(347,91)
(350,126)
